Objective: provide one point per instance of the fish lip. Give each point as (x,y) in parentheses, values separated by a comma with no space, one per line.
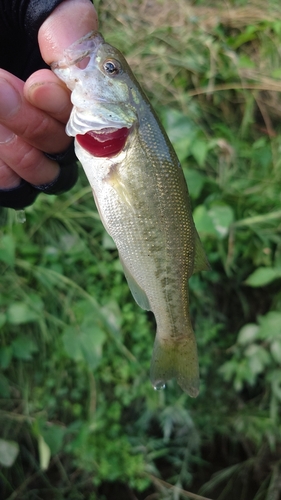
(101,135)
(78,50)
(77,124)
(81,122)
(100,132)
(106,130)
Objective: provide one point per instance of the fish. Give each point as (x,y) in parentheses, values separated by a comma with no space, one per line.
(141,195)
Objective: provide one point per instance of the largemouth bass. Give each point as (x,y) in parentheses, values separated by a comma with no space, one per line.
(141,195)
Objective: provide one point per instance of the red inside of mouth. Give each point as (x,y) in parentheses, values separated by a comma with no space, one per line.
(105,144)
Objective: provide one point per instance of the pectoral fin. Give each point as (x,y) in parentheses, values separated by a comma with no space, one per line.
(200,260)
(137,292)
(115,181)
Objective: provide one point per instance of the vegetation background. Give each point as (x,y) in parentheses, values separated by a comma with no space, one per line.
(79,419)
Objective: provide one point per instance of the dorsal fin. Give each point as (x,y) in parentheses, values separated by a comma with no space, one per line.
(200,260)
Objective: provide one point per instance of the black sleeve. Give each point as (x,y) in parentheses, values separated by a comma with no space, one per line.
(20,21)
(25,194)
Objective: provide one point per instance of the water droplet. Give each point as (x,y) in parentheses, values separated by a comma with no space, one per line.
(159,386)
(20,216)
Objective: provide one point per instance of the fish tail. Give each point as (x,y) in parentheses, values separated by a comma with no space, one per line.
(176,357)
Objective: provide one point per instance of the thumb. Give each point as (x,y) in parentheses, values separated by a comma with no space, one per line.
(71,20)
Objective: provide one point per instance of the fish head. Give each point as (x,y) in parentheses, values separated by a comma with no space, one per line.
(104,93)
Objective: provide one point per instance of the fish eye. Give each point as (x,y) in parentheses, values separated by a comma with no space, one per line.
(112,67)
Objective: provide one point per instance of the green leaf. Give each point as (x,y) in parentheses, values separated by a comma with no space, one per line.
(244,373)
(4,387)
(276,385)
(24,348)
(7,250)
(222,217)
(19,313)
(2,319)
(203,221)
(248,334)
(258,358)
(275,349)
(228,370)
(244,61)
(263,276)
(276,73)
(70,243)
(44,453)
(36,303)
(53,437)
(108,242)
(270,325)
(92,340)
(9,451)
(195,181)
(244,37)
(85,344)
(6,354)
(181,131)
(199,149)
(71,343)
(83,311)
(113,315)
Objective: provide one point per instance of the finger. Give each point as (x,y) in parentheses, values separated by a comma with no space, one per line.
(31,124)
(8,178)
(46,92)
(71,20)
(25,161)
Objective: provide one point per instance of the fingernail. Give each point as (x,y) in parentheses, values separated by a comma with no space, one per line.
(5,134)
(9,99)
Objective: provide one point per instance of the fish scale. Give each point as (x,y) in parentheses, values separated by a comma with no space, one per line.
(142,198)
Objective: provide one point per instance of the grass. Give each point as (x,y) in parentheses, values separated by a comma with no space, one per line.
(78,416)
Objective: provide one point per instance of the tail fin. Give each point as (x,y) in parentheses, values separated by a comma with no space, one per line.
(175,357)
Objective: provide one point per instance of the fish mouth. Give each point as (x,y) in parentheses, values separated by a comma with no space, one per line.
(79,50)
(105,142)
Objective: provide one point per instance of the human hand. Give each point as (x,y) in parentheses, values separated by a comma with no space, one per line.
(33,114)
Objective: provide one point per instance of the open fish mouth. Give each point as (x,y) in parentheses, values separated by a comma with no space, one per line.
(106,142)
